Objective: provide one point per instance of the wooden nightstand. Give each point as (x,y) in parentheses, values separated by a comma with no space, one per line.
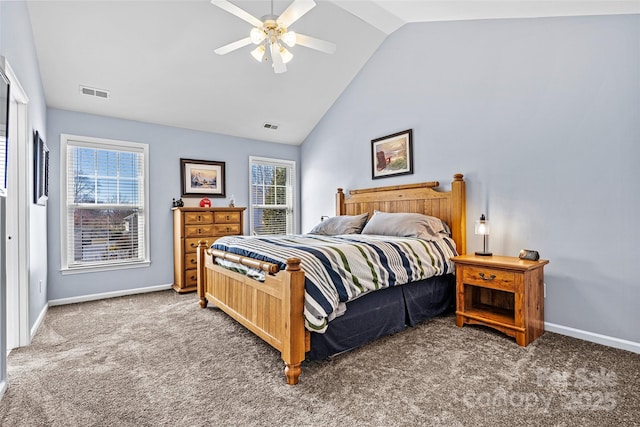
(505,293)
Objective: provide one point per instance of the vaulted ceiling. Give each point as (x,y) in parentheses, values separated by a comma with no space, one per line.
(156,58)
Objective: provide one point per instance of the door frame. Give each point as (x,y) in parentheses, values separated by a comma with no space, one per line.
(20,207)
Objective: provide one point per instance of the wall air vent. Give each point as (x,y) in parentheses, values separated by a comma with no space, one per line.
(92,91)
(271,126)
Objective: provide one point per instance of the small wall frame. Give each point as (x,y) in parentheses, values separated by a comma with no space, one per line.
(40,170)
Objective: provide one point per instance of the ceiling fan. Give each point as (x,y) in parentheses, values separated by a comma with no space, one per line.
(270,33)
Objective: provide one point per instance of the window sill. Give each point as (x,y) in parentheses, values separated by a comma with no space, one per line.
(99,268)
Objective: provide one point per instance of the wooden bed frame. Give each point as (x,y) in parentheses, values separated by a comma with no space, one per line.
(273,309)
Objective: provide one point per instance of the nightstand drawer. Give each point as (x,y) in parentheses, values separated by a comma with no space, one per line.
(489,278)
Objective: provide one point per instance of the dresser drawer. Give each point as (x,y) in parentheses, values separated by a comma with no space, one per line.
(198,230)
(226,229)
(489,278)
(191,245)
(191,260)
(226,217)
(198,217)
(191,277)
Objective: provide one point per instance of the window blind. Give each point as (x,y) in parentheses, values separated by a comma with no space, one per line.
(272,189)
(105,204)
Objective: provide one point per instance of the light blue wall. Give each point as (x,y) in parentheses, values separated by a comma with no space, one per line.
(166,146)
(17,46)
(543,118)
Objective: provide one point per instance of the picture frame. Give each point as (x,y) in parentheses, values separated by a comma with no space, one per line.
(392,155)
(40,170)
(5,103)
(203,178)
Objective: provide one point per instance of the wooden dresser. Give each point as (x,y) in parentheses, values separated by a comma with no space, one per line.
(191,225)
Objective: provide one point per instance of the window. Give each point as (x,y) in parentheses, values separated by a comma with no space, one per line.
(104,205)
(272,185)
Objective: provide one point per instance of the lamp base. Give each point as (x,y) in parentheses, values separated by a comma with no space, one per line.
(484,253)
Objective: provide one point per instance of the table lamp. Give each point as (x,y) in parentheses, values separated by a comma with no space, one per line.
(482,228)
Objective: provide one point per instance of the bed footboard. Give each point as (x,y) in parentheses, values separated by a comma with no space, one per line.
(273,309)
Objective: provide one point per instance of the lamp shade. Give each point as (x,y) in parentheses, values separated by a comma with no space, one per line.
(289,38)
(258,53)
(482,228)
(257,35)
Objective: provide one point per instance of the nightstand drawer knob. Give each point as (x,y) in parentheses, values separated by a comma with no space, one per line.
(488,279)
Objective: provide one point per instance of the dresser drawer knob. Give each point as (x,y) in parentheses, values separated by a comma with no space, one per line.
(193,261)
(488,279)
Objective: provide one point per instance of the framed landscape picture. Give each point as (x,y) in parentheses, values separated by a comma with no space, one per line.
(202,178)
(392,155)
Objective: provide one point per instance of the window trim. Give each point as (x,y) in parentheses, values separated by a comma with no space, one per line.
(108,144)
(294,180)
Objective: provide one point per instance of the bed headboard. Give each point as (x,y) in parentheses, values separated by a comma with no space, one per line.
(422,198)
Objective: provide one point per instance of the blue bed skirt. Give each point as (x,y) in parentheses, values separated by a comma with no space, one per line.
(384,312)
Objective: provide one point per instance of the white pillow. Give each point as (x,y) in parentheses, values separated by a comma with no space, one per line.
(404,224)
(345,224)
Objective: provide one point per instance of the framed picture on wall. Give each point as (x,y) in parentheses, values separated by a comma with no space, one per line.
(202,178)
(392,155)
(4,131)
(40,170)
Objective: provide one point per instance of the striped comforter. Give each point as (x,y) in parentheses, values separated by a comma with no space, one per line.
(341,268)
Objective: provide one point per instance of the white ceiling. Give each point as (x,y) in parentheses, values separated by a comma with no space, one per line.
(156,57)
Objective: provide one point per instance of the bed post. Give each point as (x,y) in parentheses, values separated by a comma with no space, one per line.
(201,271)
(340,209)
(293,343)
(458,216)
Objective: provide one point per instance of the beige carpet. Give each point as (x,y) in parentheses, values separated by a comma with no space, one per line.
(159,360)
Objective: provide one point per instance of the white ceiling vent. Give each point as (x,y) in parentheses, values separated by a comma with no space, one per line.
(92,91)
(271,126)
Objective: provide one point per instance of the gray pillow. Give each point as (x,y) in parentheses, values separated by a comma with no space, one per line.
(345,224)
(405,225)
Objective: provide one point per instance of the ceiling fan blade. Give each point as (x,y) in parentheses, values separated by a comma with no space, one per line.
(295,11)
(235,10)
(317,44)
(233,46)
(276,57)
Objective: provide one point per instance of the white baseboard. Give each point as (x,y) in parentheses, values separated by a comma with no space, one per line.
(94,297)
(38,322)
(593,337)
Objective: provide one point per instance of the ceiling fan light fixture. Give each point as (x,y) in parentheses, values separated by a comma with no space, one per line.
(257,35)
(289,38)
(258,53)
(286,55)
(270,33)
